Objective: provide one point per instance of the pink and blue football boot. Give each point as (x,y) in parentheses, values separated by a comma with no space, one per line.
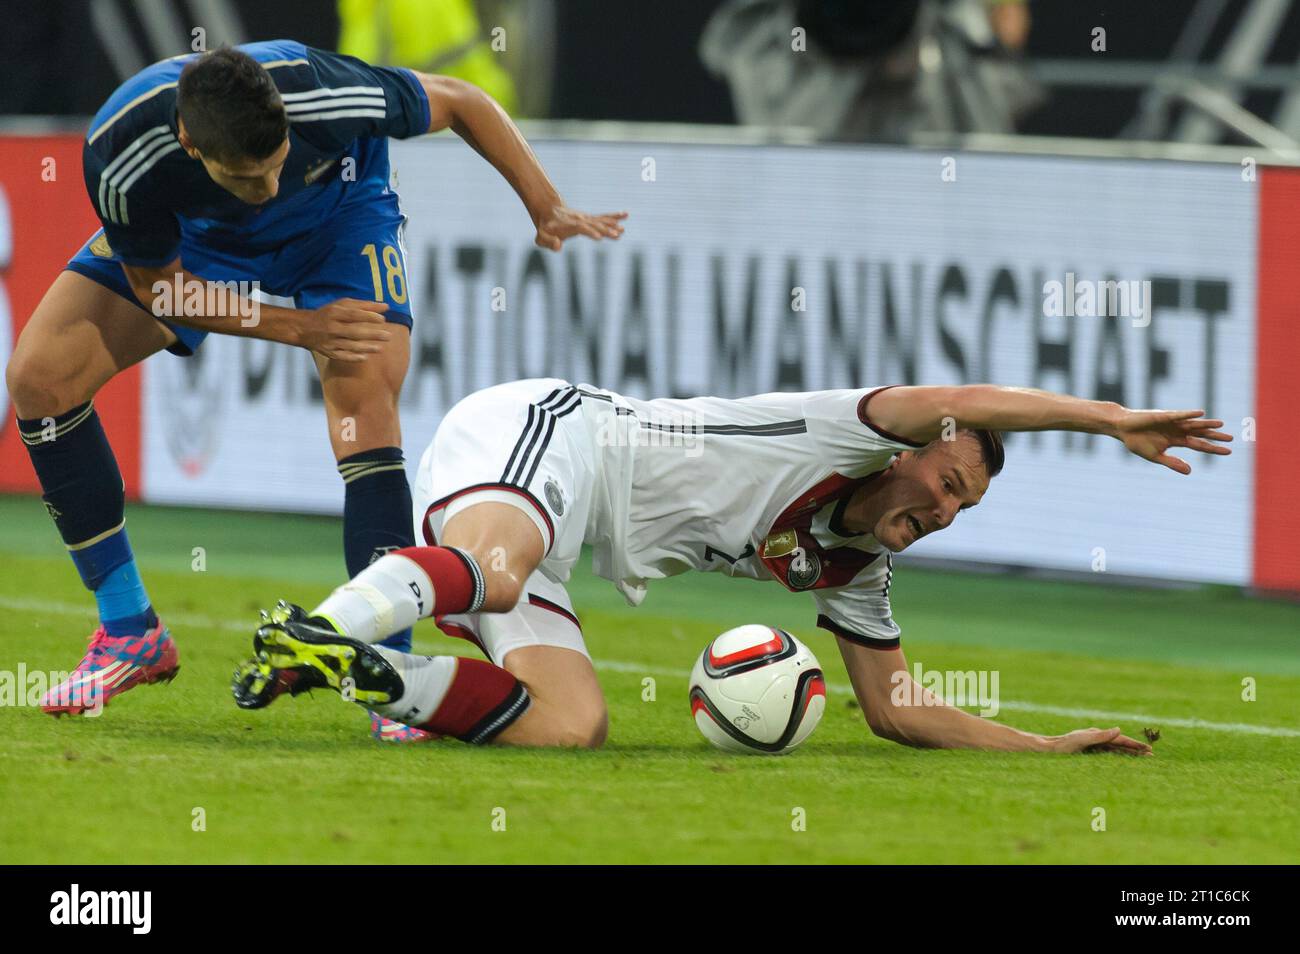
(386,730)
(111,666)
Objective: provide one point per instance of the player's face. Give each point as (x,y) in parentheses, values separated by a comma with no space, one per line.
(255,181)
(926,489)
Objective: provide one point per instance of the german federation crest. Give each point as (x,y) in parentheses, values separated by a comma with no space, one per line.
(554,498)
(805,570)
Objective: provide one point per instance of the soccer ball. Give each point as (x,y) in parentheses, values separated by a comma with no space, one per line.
(757,689)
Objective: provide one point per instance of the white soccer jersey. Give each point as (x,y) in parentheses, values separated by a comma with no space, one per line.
(752,487)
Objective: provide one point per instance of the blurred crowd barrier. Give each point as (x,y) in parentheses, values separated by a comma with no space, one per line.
(754,267)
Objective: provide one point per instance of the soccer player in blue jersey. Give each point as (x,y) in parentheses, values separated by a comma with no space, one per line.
(260,167)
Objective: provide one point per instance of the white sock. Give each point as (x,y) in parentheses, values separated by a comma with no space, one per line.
(385,598)
(425,681)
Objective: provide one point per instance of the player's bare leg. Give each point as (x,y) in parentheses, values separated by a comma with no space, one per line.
(543,696)
(79,337)
(505,543)
(361,396)
(568,707)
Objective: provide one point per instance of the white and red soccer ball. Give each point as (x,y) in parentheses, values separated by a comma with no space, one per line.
(757,689)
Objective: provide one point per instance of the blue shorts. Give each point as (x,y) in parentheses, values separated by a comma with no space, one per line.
(356,254)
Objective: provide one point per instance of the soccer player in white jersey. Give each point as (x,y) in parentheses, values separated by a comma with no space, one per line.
(814,491)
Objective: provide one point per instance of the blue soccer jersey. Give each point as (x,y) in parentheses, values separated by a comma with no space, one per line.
(150,195)
(331,230)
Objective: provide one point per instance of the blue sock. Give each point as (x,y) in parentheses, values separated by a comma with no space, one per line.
(83,493)
(123,603)
(376,514)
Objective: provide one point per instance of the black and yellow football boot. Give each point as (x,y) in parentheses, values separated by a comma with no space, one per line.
(296,653)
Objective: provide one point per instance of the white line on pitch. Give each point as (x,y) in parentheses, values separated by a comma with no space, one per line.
(1102,714)
(616,665)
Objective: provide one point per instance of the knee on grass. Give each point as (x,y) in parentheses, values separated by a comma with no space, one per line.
(582,727)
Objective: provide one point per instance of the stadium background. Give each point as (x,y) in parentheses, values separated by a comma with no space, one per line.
(917,261)
(919,277)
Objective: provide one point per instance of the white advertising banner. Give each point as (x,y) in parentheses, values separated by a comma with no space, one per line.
(750,269)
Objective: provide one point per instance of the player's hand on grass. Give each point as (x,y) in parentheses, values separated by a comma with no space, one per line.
(346,330)
(1097,740)
(1149,434)
(562,223)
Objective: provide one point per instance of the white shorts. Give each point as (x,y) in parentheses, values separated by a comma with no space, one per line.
(525,444)
(543,617)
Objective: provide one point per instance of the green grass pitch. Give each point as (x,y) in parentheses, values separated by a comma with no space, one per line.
(303,782)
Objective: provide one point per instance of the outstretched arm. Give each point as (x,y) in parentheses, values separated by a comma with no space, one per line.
(478,119)
(899,709)
(922,413)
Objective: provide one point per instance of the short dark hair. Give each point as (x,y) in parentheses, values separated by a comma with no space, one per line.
(230,107)
(991,449)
